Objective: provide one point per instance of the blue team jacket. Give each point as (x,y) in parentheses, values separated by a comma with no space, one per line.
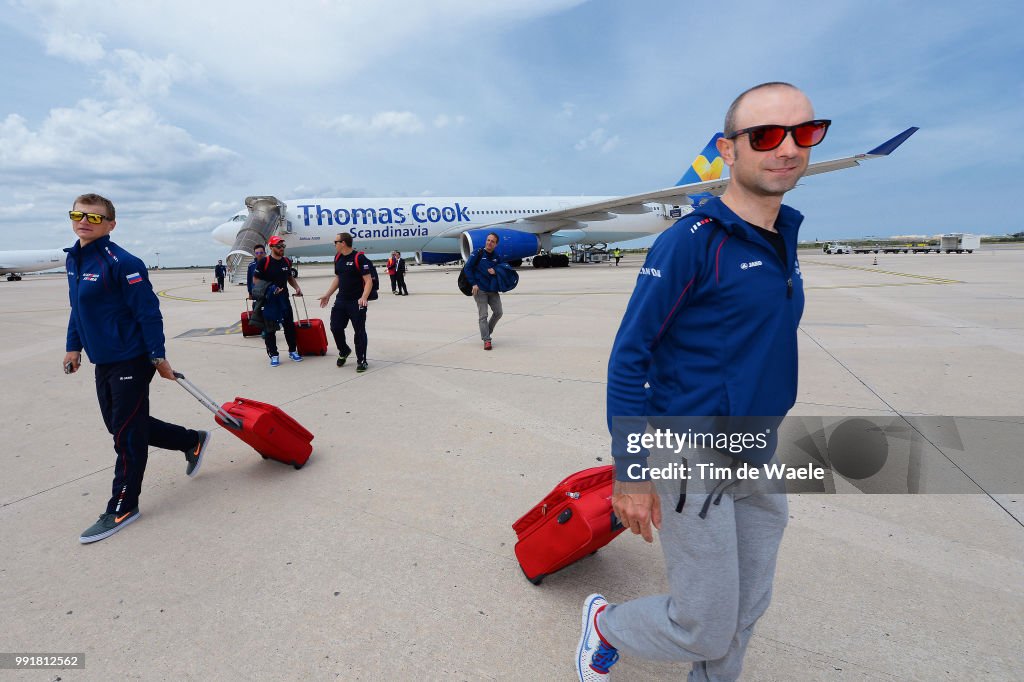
(115,315)
(248,276)
(711,327)
(476,269)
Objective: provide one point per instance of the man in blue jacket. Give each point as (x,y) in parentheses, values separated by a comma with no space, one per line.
(258,253)
(481,273)
(115,317)
(710,332)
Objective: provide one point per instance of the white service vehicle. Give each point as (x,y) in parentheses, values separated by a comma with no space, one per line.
(959,242)
(836,247)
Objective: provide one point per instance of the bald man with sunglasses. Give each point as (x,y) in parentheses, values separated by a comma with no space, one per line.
(710,333)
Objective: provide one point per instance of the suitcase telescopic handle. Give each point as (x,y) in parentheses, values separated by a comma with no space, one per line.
(207,401)
(304,308)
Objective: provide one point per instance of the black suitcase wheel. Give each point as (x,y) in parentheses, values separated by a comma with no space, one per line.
(537,580)
(298,466)
(263,456)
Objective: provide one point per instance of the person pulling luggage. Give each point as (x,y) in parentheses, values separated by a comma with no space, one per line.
(276,271)
(115,317)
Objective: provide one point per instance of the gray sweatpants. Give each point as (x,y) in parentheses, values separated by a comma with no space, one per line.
(720,572)
(484,299)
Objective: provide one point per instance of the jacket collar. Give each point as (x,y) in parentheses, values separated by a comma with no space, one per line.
(787,223)
(77,248)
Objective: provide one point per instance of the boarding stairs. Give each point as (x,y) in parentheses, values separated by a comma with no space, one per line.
(266,218)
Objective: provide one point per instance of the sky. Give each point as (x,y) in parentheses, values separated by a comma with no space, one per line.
(177,111)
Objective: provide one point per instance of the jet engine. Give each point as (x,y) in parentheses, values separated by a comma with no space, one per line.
(512,244)
(434,258)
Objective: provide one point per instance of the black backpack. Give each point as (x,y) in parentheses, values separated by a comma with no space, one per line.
(373,275)
(464,285)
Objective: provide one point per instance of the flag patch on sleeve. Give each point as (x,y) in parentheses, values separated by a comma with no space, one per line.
(134,278)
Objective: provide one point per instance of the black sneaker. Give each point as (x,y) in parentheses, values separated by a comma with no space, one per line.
(194,457)
(362,366)
(107,525)
(343,356)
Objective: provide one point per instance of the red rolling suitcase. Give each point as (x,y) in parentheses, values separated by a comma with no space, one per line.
(573,521)
(247,328)
(214,287)
(269,431)
(310,335)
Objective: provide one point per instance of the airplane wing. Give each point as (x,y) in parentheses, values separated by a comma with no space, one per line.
(683,195)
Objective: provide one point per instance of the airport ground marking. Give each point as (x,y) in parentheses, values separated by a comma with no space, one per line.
(236,328)
(871,286)
(164,294)
(930,278)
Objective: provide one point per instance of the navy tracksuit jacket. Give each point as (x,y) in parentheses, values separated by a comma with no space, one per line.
(115,318)
(710,330)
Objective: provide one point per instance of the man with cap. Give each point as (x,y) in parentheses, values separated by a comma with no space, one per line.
(276,272)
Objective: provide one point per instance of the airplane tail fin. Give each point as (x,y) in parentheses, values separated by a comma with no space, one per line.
(707,166)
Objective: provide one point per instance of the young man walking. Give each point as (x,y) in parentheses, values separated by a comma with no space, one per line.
(481,273)
(710,331)
(115,318)
(276,271)
(219,272)
(353,282)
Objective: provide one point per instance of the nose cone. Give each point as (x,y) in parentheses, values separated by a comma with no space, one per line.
(225,232)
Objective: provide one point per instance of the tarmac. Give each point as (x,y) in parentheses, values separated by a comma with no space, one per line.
(389,556)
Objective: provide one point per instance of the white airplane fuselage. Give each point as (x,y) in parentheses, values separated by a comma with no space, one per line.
(382,225)
(14,262)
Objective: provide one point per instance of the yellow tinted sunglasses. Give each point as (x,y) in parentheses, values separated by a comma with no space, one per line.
(94,218)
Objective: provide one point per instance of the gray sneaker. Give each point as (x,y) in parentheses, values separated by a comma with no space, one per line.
(194,456)
(107,525)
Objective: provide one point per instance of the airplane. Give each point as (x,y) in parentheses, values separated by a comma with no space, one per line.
(443,230)
(15,263)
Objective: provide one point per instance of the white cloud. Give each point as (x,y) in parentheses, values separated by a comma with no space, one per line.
(383,123)
(444,121)
(598,139)
(74,46)
(135,75)
(260,42)
(126,144)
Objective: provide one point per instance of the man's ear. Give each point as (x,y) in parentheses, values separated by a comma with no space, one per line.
(727,150)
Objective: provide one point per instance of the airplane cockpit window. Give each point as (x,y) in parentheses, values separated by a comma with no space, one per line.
(238,218)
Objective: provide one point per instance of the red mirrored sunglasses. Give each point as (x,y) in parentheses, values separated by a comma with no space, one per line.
(768,137)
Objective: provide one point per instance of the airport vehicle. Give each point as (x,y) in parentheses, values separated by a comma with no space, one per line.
(836,247)
(443,230)
(15,263)
(959,243)
(918,247)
